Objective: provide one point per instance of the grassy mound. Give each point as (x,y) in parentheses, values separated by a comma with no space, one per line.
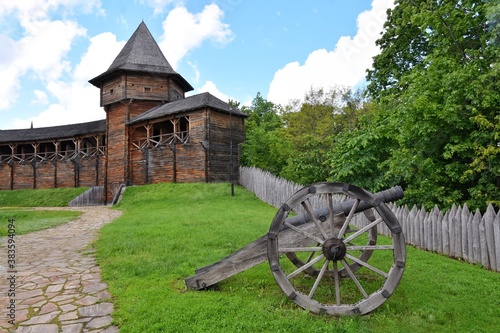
(57,197)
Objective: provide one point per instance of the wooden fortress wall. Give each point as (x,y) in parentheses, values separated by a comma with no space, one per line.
(204,157)
(52,174)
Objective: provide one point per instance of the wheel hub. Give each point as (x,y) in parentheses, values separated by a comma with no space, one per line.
(334,249)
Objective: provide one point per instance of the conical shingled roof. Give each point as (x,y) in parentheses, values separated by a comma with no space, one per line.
(141,53)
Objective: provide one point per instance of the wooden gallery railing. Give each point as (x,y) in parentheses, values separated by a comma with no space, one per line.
(55,153)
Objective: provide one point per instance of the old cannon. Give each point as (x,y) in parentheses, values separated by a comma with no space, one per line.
(318,247)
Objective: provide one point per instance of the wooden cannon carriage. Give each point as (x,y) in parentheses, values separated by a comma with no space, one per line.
(318,247)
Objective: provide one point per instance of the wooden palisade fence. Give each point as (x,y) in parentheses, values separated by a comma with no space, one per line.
(458,233)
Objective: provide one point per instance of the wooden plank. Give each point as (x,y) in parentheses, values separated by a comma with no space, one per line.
(488,219)
(451,230)
(429,234)
(496,230)
(445,233)
(476,241)
(243,259)
(470,239)
(439,231)
(246,257)
(425,229)
(404,217)
(418,226)
(482,239)
(458,233)
(464,217)
(411,226)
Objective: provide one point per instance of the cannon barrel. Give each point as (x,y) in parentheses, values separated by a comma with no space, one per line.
(256,252)
(392,194)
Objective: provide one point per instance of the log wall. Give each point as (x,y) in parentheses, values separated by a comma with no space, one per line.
(45,173)
(66,174)
(139,87)
(5,178)
(52,174)
(205,157)
(23,176)
(175,162)
(225,132)
(117,137)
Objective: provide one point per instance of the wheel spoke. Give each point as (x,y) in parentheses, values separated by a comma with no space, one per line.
(313,250)
(354,278)
(312,253)
(370,267)
(307,206)
(337,284)
(306,266)
(329,204)
(349,217)
(304,233)
(365,228)
(318,279)
(369,247)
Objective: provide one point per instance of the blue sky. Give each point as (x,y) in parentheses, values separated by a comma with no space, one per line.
(231,48)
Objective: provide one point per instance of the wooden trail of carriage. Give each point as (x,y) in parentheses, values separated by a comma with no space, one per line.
(318,247)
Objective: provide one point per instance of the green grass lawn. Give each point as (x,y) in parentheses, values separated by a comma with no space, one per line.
(58,197)
(13,206)
(29,220)
(169,230)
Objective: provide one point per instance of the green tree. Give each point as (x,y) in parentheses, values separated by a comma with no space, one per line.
(313,129)
(264,146)
(358,153)
(437,82)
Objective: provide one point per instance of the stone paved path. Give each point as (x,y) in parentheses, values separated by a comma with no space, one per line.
(58,285)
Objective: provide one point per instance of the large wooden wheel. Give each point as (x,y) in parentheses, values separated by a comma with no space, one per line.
(320,258)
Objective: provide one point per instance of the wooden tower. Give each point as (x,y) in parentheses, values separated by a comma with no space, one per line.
(139,79)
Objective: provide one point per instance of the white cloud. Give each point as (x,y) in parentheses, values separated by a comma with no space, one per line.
(210,87)
(102,50)
(41,97)
(33,10)
(40,54)
(345,66)
(9,85)
(184,31)
(46,45)
(42,51)
(76,102)
(76,99)
(196,72)
(160,5)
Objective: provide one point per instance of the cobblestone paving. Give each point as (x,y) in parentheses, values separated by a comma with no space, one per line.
(58,284)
